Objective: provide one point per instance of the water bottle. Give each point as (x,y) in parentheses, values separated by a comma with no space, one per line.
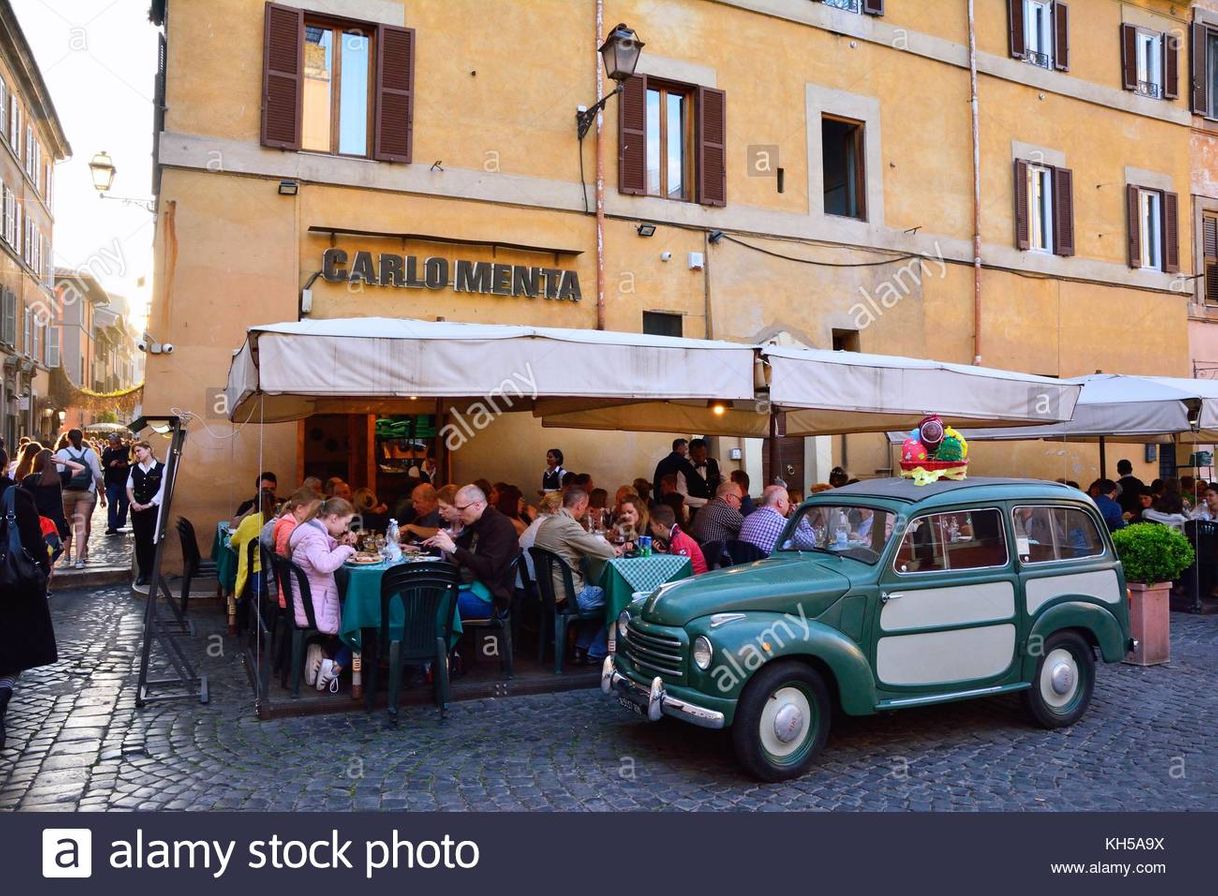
(842,536)
(393,547)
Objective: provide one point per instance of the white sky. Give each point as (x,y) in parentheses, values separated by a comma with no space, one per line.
(98,59)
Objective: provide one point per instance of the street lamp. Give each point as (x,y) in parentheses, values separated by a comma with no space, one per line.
(620,53)
(101,166)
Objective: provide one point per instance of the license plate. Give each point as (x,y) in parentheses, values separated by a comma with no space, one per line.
(630,705)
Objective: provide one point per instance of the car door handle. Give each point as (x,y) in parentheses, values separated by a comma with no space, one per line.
(886,596)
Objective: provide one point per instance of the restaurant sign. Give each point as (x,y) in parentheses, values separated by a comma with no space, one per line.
(489,278)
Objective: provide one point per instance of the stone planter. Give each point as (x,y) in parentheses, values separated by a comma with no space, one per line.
(1150,622)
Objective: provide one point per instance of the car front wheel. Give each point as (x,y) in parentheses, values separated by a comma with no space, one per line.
(1064,680)
(782,721)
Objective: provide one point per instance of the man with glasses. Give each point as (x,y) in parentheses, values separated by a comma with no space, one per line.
(763,526)
(484,551)
(720,519)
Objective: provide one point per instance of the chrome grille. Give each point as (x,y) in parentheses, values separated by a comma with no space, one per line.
(660,653)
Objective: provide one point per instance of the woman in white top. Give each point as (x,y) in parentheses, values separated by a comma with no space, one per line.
(81,492)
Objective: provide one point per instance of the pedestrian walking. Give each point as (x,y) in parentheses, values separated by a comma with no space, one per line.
(27,638)
(81,493)
(145,490)
(116,467)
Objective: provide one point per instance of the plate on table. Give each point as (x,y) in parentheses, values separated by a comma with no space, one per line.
(364,559)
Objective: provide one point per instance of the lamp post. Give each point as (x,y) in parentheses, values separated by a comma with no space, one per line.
(620,53)
(102,168)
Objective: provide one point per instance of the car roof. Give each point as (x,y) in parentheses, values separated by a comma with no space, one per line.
(950,491)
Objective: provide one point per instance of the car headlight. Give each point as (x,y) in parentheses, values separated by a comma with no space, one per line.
(622,620)
(702,652)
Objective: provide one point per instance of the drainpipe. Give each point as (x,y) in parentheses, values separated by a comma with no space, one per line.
(972,72)
(600,171)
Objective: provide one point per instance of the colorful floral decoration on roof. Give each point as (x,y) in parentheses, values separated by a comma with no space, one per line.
(933,451)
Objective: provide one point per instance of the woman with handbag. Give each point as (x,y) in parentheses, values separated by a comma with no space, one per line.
(27,638)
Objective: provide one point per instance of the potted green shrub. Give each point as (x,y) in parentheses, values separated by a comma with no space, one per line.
(1152,556)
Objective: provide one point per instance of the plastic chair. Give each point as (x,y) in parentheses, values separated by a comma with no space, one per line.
(501,621)
(742,551)
(294,586)
(193,564)
(427,593)
(560,614)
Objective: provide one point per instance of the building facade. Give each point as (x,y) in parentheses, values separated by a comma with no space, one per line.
(805,170)
(31,141)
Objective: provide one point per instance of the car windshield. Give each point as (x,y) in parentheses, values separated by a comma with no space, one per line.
(848,530)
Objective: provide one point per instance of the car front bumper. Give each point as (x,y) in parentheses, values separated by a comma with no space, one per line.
(655,701)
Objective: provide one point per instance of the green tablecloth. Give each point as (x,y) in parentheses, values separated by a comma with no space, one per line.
(622,577)
(225,559)
(361,589)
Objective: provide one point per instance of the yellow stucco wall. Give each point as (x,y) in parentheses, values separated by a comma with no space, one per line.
(494,96)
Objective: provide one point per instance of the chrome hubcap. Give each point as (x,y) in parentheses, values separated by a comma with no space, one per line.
(1062,678)
(788,722)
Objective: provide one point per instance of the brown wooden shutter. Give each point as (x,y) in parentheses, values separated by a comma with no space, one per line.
(1015,28)
(1061,37)
(1134,223)
(1209,252)
(1022,240)
(712,146)
(282,76)
(1063,211)
(1171,67)
(1199,94)
(632,137)
(1129,57)
(873,7)
(394,121)
(1171,233)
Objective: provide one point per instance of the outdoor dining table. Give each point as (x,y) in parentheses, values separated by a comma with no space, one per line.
(623,577)
(225,558)
(359,585)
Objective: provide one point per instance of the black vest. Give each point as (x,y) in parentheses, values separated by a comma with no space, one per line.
(145,485)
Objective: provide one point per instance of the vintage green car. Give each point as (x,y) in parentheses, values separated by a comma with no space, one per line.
(883,595)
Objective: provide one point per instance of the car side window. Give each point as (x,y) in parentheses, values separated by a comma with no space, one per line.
(1046,534)
(972,539)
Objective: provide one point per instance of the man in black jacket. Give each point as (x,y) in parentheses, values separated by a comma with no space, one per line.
(484,551)
(1130,498)
(676,462)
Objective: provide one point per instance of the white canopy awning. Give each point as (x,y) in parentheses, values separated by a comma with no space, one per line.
(1131,408)
(824,392)
(288,371)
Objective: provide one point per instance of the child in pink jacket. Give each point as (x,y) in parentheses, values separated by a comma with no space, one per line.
(319,547)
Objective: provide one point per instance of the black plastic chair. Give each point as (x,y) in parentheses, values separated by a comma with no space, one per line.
(294,586)
(193,564)
(501,621)
(560,615)
(428,595)
(714,554)
(742,551)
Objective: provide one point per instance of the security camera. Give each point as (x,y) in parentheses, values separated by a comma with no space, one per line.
(142,345)
(167,348)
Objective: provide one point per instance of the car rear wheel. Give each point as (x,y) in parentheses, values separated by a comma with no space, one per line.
(782,721)
(1065,677)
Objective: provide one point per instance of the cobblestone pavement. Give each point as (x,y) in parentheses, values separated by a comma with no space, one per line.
(108,550)
(76,741)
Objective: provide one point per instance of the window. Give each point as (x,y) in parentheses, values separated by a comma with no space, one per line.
(10,217)
(871,7)
(1047,534)
(1153,221)
(1039,32)
(671,141)
(3,108)
(1150,62)
(8,317)
(337,86)
(14,124)
(1044,208)
(659,323)
(963,540)
(1209,255)
(844,174)
(337,99)
(1204,82)
(27,344)
(52,347)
